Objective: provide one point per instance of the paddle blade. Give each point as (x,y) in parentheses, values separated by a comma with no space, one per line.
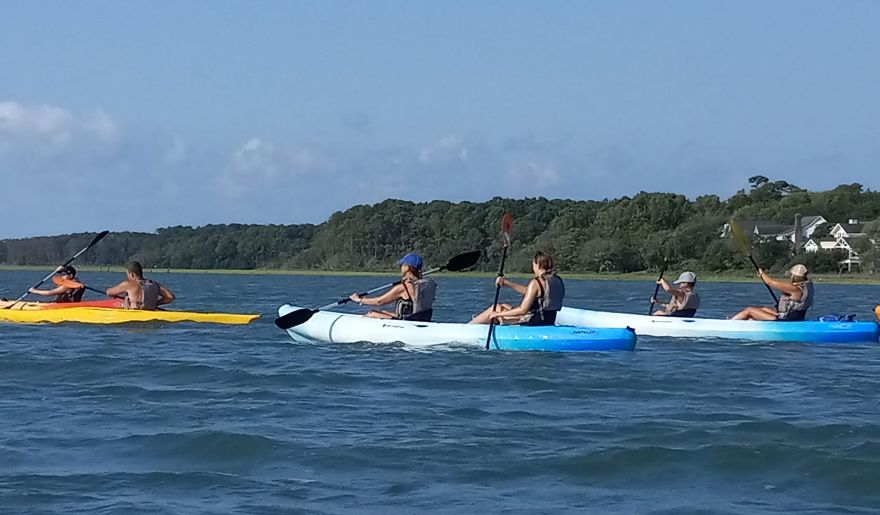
(295,318)
(506,228)
(463,261)
(96,239)
(740,238)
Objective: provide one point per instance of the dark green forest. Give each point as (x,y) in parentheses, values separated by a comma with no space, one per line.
(613,235)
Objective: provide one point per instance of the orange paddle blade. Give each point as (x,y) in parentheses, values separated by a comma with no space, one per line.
(506,228)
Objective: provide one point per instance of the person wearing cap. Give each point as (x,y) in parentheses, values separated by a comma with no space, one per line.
(67,288)
(795,299)
(684,302)
(542,297)
(413,296)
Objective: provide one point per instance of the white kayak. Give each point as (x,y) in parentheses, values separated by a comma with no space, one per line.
(753,330)
(333,327)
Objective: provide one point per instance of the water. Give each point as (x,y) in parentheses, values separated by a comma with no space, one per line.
(237,419)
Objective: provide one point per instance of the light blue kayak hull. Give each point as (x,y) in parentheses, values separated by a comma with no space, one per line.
(750,330)
(333,327)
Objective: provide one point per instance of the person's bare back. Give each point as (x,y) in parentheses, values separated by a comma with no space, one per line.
(140,293)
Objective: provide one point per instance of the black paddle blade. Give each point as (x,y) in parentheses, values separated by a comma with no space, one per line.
(98,238)
(295,318)
(462,261)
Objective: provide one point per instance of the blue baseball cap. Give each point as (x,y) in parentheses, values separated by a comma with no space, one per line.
(412,259)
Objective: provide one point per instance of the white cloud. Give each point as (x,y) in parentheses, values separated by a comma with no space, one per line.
(255,157)
(45,132)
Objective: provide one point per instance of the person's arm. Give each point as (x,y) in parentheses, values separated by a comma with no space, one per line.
(167,296)
(519,288)
(665,285)
(118,290)
(784,286)
(386,298)
(531,293)
(49,293)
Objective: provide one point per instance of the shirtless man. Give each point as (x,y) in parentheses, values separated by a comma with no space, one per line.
(140,293)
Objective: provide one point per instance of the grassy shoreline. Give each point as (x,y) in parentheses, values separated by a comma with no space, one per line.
(590,276)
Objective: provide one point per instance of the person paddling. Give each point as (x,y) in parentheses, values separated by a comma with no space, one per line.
(66,289)
(796,298)
(684,302)
(413,295)
(140,293)
(542,297)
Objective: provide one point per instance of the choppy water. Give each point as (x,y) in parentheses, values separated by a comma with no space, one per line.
(196,419)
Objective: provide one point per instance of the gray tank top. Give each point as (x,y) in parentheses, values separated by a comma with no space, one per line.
(787,306)
(691,301)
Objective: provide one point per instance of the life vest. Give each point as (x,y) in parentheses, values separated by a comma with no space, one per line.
(419,306)
(795,310)
(73,295)
(150,293)
(547,303)
(687,307)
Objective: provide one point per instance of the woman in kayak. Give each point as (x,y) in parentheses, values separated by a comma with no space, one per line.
(67,289)
(684,302)
(140,293)
(542,297)
(796,298)
(413,295)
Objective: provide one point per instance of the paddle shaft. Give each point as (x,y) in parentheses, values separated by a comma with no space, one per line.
(657,286)
(346,300)
(94,241)
(769,289)
(497,294)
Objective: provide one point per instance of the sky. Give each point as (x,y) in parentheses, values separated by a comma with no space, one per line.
(138,115)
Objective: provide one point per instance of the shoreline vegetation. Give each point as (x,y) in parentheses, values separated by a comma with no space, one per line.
(622,238)
(733,277)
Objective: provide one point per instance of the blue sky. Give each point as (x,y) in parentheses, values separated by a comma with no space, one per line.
(137,115)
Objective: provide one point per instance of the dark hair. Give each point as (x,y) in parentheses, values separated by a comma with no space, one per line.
(68,270)
(413,270)
(135,268)
(544,261)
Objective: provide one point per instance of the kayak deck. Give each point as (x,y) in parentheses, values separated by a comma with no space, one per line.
(750,330)
(87,315)
(333,327)
(31,306)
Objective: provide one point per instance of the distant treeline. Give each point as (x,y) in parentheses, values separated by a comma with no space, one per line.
(617,235)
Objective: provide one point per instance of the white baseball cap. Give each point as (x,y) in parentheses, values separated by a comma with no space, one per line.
(798,270)
(686,277)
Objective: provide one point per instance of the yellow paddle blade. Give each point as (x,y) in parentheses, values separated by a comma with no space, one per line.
(740,238)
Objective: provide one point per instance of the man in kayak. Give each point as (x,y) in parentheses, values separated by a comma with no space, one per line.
(542,297)
(796,298)
(67,288)
(140,293)
(684,302)
(413,296)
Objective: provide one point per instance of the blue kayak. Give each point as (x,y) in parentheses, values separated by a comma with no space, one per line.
(812,331)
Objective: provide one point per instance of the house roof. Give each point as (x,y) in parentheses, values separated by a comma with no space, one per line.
(852,228)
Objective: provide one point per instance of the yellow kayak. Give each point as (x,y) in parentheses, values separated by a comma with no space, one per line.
(88,315)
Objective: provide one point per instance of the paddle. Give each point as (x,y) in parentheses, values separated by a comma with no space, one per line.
(657,286)
(456,264)
(70,283)
(94,242)
(506,229)
(742,241)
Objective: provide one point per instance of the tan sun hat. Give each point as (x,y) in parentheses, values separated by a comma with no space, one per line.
(798,270)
